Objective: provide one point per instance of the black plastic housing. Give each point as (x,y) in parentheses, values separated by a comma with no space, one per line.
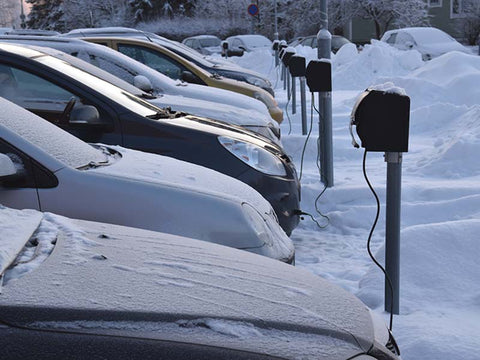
(319,76)
(382,120)
(275,45)
(287,56)
(296,65)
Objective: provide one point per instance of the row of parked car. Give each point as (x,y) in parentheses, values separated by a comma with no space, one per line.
(115,134)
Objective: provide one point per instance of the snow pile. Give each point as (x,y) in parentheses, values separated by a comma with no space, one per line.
(439,294)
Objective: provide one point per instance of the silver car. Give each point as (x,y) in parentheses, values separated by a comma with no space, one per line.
(82,290)
(50,170)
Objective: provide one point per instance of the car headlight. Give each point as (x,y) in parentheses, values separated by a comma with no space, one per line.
(266,98)
(255,156)
(262,230)
(258,82)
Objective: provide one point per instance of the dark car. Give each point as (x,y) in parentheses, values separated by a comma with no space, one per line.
(52,88)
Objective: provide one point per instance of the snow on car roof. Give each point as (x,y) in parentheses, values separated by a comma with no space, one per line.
(56,142)
(427,34)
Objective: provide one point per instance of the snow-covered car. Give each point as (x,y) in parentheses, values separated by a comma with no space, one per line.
(204,44)
(82,290)
(248,42)
(98,111)
(430,42)
(210,64)
(44,167)
(194,99)
(336,43)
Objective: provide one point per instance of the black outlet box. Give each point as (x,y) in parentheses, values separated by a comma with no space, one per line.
(296,65)
(319,76)
(382,120)
(287,56)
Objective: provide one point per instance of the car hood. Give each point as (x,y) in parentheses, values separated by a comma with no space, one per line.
(221,128)
(115,280)
(441,48)
(222,112)
(163,170)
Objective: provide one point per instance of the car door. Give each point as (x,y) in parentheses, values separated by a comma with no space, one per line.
(22,192)
(54,102)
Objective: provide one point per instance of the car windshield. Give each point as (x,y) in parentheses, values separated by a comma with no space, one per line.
(431,36)
(113,92)
(185,52)
(54,141)
(339,41)
(255,41)
(207,42)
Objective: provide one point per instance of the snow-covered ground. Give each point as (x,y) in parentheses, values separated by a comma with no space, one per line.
(440,242)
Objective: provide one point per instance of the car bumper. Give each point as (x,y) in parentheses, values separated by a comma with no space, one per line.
(276,113)
(283,193)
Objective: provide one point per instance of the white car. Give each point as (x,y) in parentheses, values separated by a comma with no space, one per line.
(82,290)
(204,44)
(44,167)
(430,42)
(248,42)
(217,104)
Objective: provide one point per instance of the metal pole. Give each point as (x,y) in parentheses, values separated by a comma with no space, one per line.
(392,230)
(275,34)
(289,87)
(294,95)
(283,78)
(324,40)
(22,16)
(303,101)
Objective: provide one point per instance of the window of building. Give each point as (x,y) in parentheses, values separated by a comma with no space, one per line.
(456,8)
(435,3)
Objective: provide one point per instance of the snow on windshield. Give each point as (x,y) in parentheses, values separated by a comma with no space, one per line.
(56,142)
(430,36)
(255,40)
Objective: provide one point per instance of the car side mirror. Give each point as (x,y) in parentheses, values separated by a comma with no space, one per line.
(87,116)
(234,52)
(8,171)
(242,48)
(189,77)
(143,83)
(409,44)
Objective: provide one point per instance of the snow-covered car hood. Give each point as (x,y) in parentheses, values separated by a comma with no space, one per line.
(135,283)
(438,49)
(213,110)
(156,169)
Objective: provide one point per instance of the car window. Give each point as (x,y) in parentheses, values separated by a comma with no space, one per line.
(188,42)
(404,40)
(32,92)
(391,39)
(115,68)
(153,59)
(56,142)
(236,43)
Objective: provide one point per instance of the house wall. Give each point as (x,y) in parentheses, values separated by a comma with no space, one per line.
(440,17)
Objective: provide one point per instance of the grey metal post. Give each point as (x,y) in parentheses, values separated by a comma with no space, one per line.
(392,230)
(289,87)
(324,40)
(283,78)
(294,95)
(303,102)
(275,34)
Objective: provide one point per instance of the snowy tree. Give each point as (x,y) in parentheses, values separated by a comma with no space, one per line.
(392,13)
(469,24)
(46,14)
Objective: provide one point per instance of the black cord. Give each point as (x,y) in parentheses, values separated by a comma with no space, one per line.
(370,238)
(288,117)
(306,140)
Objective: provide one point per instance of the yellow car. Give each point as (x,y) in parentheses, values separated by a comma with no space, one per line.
(176,67)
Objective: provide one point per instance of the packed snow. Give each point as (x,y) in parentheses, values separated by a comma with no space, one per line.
(439,293)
